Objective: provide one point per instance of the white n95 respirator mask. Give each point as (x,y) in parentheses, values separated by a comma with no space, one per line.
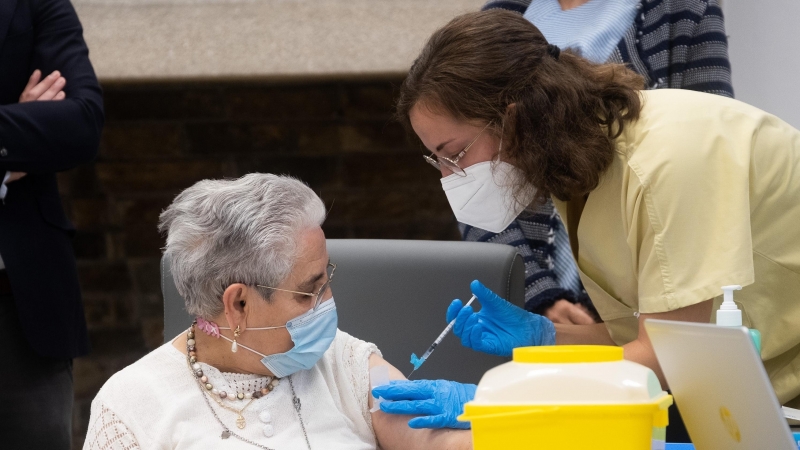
(484,198)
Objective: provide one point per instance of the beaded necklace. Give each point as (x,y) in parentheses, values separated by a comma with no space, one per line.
(191,350)
(194,367)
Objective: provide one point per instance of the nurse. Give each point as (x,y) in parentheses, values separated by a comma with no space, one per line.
(687,50)
(666,196)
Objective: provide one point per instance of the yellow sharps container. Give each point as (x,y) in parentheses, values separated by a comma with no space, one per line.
(569,397)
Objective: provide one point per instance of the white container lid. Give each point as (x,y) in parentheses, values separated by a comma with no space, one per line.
(568,375)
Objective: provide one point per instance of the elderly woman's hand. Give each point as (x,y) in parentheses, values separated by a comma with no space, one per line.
(438,402)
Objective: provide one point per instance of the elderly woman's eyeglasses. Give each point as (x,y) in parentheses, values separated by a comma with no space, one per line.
(451,164)
(330,270)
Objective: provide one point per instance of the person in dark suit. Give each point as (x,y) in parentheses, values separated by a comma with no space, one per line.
(47,124)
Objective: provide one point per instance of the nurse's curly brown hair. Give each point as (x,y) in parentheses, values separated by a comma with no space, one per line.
(561,112)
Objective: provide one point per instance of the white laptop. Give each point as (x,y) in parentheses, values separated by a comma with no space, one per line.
(720,386)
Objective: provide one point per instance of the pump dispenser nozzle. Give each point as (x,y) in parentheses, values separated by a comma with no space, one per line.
(728,314)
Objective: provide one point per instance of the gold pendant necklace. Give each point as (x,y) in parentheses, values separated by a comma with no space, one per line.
(207,388)
(240,420)
(191,360)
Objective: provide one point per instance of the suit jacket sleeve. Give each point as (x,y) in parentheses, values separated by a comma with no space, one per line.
(51,136)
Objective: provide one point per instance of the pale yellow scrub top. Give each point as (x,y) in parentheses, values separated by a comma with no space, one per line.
(704,191)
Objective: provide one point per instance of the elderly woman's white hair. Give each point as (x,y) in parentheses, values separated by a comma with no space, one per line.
(221,232)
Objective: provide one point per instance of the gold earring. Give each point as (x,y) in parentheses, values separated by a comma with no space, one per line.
(236,333)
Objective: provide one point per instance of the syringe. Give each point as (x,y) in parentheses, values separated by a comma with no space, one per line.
(416,361)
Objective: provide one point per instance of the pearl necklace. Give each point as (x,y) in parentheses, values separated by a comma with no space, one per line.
(191,352)
(194,367)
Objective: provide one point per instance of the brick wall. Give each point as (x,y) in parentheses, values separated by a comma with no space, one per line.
(161,138)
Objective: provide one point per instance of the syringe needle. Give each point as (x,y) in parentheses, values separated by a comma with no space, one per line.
(412,371)
(416,361)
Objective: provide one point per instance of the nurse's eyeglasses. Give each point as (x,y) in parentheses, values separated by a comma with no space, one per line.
(330,270)
(451,164)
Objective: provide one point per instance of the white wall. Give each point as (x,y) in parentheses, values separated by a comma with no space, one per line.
(180,39)
(764,39)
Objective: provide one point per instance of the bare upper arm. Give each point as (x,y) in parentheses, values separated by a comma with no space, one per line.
(699,312)
(393,432)
(641,350)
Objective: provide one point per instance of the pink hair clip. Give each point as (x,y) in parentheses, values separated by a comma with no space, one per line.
(210,328)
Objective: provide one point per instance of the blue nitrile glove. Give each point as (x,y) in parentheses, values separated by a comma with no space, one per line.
(499,326)
(438,402)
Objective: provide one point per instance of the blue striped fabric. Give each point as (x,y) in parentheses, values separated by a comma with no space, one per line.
(592,30)
(673,44)
(679,44)
(550,272)
(563,263)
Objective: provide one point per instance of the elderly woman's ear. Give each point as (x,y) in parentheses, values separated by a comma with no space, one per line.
(234,299)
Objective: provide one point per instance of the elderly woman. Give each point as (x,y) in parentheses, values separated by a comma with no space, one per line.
(264,365)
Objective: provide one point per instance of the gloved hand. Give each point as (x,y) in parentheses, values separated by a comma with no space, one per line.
(439,402)
(499,326)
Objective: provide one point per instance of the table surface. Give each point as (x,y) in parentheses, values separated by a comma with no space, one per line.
(691,447)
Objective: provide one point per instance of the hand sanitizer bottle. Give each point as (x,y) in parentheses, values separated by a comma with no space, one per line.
(729,315)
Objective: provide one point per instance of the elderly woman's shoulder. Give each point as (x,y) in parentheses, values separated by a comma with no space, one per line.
(350,347)
(161,368)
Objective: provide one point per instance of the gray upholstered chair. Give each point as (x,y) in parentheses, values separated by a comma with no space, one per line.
(395,293)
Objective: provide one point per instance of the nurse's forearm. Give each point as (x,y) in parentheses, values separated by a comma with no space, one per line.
(594,334)
(641,351)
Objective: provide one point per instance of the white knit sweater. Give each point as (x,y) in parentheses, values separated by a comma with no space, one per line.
(156,403)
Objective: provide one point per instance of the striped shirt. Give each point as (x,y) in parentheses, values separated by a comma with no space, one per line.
(678,44)
(673,44)
(591,30)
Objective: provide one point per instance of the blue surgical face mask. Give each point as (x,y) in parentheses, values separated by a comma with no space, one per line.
(312,334)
